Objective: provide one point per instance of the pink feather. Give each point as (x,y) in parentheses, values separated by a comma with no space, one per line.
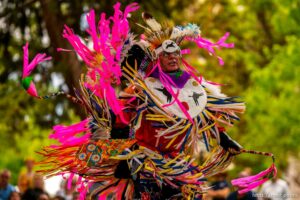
(39,58)
(83,51)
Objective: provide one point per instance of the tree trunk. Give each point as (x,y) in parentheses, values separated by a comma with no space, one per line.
(68,61)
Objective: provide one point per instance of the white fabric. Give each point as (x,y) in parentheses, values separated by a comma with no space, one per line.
(192,94)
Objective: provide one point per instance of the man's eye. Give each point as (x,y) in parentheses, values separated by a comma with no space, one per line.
(165,54)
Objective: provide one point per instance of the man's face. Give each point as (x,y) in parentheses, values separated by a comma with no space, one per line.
(5,176)
(170,61)
(29,164)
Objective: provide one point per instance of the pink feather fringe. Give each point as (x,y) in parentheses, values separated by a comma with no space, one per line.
(66,135)
(104,64)
(246,184)
(210,46)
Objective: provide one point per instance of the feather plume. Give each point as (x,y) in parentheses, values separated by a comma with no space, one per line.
(151,22)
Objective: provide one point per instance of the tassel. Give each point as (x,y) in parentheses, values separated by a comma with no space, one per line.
(246,184)
(27,82)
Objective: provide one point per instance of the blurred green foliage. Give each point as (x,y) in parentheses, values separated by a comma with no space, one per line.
(263,69)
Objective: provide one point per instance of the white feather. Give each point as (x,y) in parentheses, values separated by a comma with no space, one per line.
(153,24)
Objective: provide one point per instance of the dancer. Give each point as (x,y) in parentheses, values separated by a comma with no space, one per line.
(155,127)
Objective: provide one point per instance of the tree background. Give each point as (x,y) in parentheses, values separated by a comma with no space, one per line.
(263,69)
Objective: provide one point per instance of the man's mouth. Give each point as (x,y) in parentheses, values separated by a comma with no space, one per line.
(173,63)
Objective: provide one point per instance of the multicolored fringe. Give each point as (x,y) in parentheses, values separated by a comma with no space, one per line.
(97,161)
(220,111)
(112,189)
(93,161)
(176,170)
